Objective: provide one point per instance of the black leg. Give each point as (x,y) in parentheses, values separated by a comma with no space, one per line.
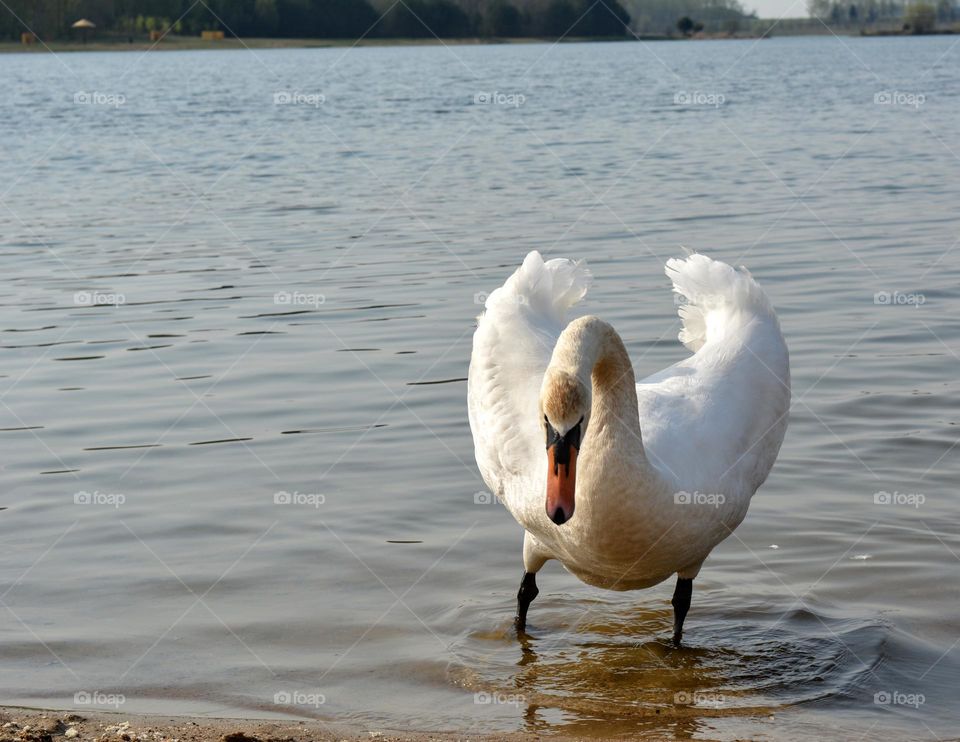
(528,591)
(681,604)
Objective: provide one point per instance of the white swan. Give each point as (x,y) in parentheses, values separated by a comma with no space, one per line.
(623,483)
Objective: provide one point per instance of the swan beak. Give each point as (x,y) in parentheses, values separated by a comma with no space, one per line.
(562,474)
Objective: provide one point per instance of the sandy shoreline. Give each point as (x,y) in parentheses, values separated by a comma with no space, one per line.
(37,725)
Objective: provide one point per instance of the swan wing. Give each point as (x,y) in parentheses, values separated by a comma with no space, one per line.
(512,346)
(713,423)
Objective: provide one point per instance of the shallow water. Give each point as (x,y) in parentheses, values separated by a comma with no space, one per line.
(296,287)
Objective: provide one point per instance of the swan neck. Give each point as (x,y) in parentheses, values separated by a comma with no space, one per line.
(592,350)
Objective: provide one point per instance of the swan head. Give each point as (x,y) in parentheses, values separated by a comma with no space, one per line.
(565,411)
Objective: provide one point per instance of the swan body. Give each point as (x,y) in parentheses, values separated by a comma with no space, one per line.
(664,468)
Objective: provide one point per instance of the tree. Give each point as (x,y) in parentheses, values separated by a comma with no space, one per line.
(267,17)
(418,19)
(558,19)
(502,20)
(342,19)
(920,17)
(604,18)
(447,18)
(331,19)
(685,25)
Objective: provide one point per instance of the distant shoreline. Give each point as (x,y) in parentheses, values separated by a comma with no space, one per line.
(191,43)
(184,43)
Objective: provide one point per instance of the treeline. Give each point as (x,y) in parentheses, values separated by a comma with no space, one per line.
(660,17)
(333,19)
(921,16)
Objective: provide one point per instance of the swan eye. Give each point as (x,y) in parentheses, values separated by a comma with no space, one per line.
(552,435)
(575,433)
(572,437)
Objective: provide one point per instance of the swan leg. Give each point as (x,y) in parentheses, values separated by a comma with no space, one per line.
(528,591)
(681,604)
(534,558)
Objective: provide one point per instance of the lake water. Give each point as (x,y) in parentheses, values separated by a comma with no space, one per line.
(248,488)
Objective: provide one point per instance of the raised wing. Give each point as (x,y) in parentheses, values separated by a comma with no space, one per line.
(714,422)
(512,346)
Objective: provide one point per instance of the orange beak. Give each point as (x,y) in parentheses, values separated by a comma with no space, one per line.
(561,482)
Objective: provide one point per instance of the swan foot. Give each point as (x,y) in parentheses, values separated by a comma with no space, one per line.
(528,591)
(681,604)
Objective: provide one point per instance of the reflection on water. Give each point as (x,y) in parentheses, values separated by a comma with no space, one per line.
(233,340)
(620,668)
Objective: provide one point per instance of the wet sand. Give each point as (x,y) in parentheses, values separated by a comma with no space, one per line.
(19,724)
(33,725)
